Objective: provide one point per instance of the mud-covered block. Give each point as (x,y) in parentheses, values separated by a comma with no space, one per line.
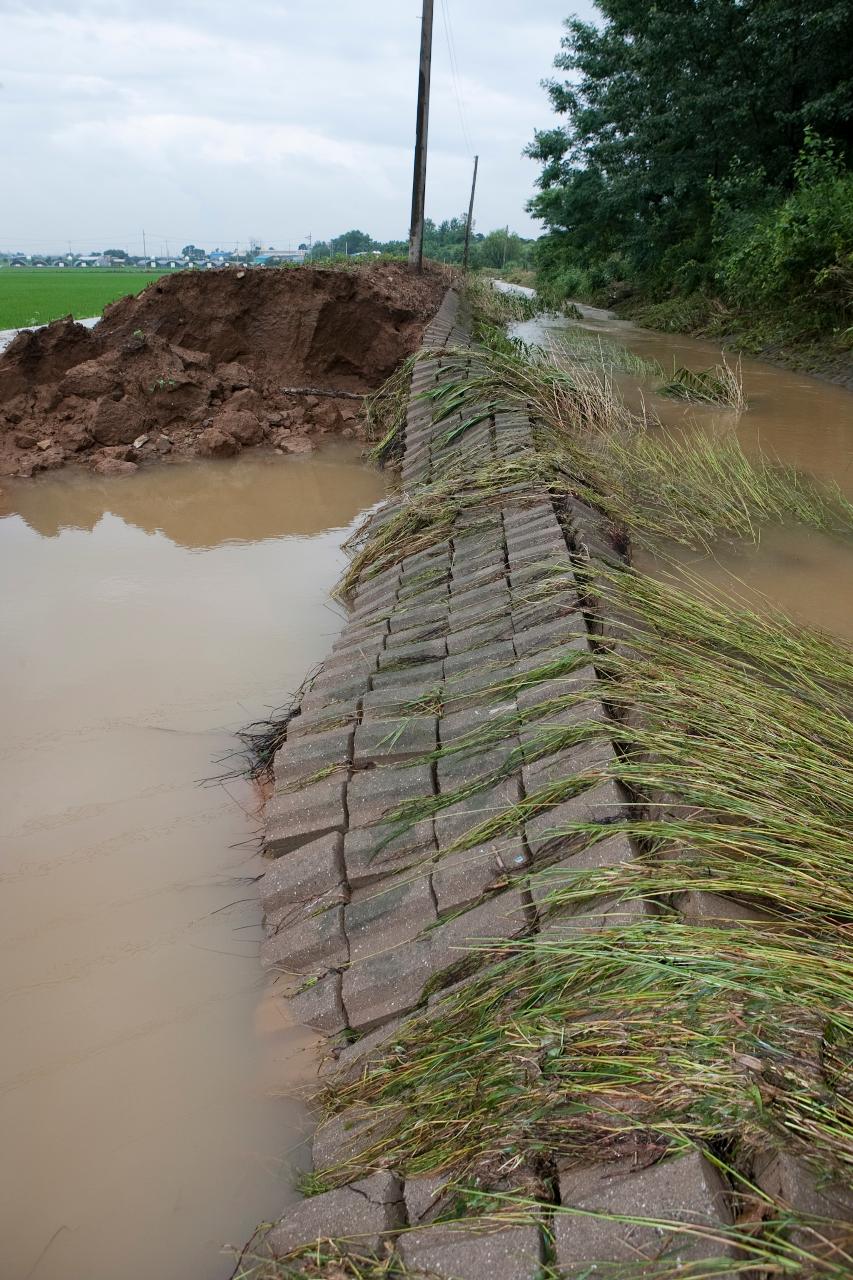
(303,757)
(789,1180)
(386,984)
(318,1005)
(361,1217)
(464,1251)
(296,816)
(686,1189)
(371,853)
(354,1059)
(373,793)
(347,1136)
(304,876)
(394,740)
(555,827)
(388,914)
(310,943)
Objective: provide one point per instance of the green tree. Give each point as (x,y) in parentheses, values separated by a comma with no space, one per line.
(661,100)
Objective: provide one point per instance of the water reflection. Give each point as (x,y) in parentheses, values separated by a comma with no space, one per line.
(143,620)
(203,504)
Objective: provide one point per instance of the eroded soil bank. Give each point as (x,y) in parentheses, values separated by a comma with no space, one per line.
(144,619)
(196,365)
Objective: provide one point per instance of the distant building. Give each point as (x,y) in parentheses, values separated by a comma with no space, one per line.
(276,257)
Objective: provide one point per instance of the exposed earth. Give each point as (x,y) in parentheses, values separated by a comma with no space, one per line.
(196,366)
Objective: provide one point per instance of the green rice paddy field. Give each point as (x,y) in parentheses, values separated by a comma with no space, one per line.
(36,295)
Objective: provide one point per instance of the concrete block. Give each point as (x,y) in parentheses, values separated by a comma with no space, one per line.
(570,629)
(419,673)
(370,854)
(462,878)
(400,653)
(552,829)
(423,1197)
(482,633)
(684,1189)
(394,702)
(295,817)
(321,718)
(302,757)
(374,793)
(305,875)
(789,1179)
(309,942)
(387,984)
(496,920)
(613,851)
(362,1216)
(474,720)
(458,819)
(355,1058)
(489,655)
(591,756)
(476,598)
(318,1005)
(386,915)
(463,1251)
(391,741)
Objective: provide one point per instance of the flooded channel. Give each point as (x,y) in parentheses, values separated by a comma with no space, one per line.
(144,620)
(792,417)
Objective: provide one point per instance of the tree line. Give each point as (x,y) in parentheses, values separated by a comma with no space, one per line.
(704,152)
(443,241)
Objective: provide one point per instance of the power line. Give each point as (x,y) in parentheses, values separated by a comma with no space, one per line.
(454,71)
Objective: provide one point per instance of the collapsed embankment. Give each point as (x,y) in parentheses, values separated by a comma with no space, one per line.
(199,364)
(549,843)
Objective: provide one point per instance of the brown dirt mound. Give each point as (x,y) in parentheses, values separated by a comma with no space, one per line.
(196,365)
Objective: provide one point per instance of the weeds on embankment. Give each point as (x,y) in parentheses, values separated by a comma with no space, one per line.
(655,1035)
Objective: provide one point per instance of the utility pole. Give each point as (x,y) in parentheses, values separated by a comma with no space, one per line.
(416,228)
(144,253)
(470,215)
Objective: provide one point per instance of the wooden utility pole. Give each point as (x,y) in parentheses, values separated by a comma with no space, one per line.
(416,229)
(470,216)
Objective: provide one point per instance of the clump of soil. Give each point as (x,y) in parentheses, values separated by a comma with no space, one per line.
(198,363)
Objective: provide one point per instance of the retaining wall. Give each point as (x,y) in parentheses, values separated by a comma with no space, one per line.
(367,931)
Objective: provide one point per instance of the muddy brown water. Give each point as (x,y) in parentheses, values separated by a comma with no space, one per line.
(793,417)
(144,619)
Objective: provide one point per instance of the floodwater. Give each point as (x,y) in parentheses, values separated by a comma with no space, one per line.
(145,619)
(793,418)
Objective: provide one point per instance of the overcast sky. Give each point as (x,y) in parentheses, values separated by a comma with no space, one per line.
(220,120)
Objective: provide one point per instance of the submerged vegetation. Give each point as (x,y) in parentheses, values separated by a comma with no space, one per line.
(721,385)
